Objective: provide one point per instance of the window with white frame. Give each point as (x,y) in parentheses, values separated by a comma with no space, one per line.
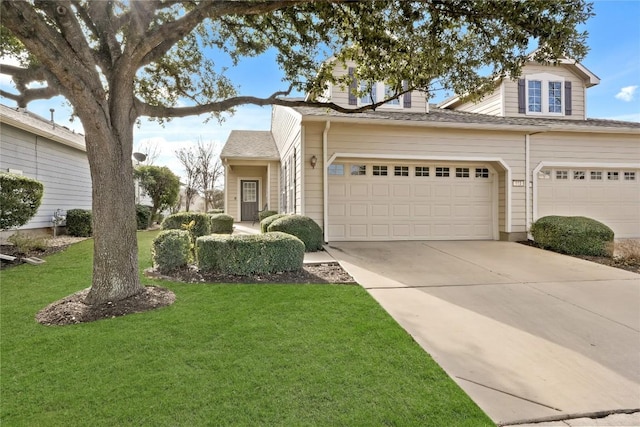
(336,169)
(401,170)
(629,176)
(462,172)
(613,175)
(562,175)
(358,169)
(596,175)
(379,170)
(545,94)
(544,174)
(482,173)
(442,172)
(579,175)
(422,171)
(376,92)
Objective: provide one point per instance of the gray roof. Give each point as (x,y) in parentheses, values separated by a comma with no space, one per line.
(250,144)
(439,117)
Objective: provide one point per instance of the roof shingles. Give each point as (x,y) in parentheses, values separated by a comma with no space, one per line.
(250,144)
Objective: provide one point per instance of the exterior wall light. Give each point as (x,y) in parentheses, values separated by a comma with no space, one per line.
(313,161)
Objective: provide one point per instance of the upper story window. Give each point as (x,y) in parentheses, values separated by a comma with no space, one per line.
(544,94)
(373,92)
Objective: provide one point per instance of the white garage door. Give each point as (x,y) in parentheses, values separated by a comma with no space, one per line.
(387,201)
(610,196)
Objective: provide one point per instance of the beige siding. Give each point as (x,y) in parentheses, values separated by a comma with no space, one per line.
(490,105)
(64,171)
(577,89)
(584,147)
(286,129)
(411,141)
(236,173)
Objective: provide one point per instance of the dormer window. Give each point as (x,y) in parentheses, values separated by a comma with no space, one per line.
(545,95)
(376,92)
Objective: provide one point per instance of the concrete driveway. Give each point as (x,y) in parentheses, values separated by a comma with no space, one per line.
(528,334)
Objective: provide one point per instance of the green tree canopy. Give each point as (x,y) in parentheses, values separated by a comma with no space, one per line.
(117,61)
(162,186)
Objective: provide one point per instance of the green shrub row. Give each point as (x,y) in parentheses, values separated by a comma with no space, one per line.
(244,255)
(20,199)
(79,222)
(573,235)
(171,249)
(265,223)
(264,214)
(303,227)
(221,224)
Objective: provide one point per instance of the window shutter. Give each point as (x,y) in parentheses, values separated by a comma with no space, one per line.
(406,96)
(567,98)
(521,97)
(353,87)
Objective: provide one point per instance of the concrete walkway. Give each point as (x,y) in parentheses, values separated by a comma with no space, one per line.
(530,335)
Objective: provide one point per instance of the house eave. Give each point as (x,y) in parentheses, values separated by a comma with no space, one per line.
(78,143)
(577,128)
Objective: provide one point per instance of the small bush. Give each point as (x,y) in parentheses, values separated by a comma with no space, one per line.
(303,227)
(79,222)
(178,221)
(221,224)
(265,214)
(216,211)
(265,223)
(142,216)
(243,255)
(26,243)
(171,249)
(573,235)
(20,199)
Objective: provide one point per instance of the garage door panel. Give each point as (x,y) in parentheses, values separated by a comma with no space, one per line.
(615,203)
(410,207)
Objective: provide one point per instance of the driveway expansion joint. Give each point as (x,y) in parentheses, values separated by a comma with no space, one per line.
(565,417)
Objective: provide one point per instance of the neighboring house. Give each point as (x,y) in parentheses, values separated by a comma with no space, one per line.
(52,154)
(455,171)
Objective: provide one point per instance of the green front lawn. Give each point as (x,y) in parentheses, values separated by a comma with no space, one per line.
(288,355)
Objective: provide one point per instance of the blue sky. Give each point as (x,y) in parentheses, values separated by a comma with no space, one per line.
(614,39)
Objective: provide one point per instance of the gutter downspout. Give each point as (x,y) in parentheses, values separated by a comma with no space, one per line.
(325,183)
(530,181)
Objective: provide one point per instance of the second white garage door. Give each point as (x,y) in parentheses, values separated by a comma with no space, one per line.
(386,201)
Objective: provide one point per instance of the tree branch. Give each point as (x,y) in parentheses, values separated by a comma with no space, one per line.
(145,109)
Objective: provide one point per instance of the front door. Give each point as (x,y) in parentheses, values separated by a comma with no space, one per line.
(249,200)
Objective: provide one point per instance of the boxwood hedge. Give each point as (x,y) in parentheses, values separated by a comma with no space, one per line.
(244,255)
(303,227)
(265,223)
(573,235)
(20,198)
(171,249)
(221,224)
(180,221)
(79,222)
(265,214)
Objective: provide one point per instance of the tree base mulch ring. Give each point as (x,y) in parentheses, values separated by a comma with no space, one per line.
(72,309)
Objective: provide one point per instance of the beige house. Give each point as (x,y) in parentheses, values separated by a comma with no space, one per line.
(455,171)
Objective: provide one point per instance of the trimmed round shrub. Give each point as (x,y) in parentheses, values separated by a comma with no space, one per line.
(265,223)
(303,227)
(221,224)
(142,216)
(244,254)
(265,214)
(171,249)
(79,222)
(181,220)
(20,199)
(573,235)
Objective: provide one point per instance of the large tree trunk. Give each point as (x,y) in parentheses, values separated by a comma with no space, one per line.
(115,255)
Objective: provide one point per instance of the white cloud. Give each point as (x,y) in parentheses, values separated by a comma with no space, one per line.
(627,93)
